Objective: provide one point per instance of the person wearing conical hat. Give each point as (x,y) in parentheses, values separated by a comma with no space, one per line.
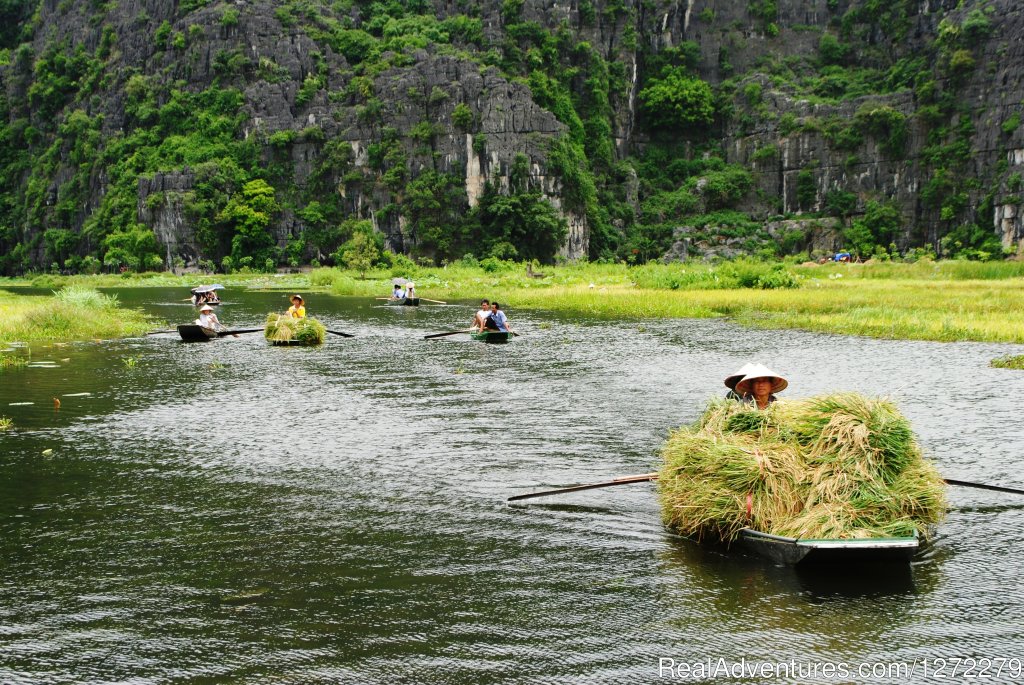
(759,385)
(298,308)
(732,379)
(207,319)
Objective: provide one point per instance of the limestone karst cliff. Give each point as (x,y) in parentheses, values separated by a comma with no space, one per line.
(141,133)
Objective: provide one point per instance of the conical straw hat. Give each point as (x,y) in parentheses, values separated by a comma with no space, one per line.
(732,379)
(759,371)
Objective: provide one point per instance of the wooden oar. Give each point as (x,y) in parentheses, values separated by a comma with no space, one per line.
(441,335)
(434,301)
(221,334)
(169,330)
(982,486)
(385,298)
(344,335)
(643,478)
(625,480)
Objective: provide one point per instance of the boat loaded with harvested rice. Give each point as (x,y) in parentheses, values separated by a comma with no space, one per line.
(834,478)
(284,330)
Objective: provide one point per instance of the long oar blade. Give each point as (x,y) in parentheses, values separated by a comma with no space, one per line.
(441,335)
(590,486)
(982,486)
(434,301)
(344,335)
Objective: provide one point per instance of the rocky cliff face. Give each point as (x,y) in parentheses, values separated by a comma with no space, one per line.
(331,126)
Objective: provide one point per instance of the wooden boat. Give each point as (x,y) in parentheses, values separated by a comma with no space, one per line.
(405,302)
(191,332)
(291,343)
(491,336)
(817,551)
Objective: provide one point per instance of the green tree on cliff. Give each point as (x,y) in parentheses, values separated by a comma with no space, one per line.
(248,214)
(677,100)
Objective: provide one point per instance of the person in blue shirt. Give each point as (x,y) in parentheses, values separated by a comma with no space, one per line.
(497,321)
(397,293)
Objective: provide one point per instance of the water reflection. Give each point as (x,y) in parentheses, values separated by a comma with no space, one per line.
(230,511)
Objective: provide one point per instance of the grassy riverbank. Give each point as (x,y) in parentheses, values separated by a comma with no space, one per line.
(73,313)
(944,301)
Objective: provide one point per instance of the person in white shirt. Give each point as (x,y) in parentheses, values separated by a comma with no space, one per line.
(207,319)
(410,290)
(481,315)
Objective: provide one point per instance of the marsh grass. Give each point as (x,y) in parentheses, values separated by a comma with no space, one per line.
(281,328)
(835,466)
(73,313)
(11,362)
(943,301)
(1016,362)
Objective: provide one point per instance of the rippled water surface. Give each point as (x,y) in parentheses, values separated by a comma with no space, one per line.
(233,512)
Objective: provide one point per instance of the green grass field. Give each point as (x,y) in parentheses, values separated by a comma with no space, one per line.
(73,313)
(945,301)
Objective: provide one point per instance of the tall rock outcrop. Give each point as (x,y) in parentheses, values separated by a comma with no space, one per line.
(408,119)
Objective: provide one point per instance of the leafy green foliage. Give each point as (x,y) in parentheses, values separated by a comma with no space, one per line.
(879,226)
(361,253)
(677,100)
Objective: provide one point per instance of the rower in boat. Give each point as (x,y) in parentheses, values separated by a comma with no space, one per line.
(410,290)
(206,294)
(481,316)
(758,387)
(496,320)
(298,308)
(207,319)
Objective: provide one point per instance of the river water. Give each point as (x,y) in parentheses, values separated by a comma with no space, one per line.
(234,512)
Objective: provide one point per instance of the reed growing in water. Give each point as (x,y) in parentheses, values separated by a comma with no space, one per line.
(1016,362)
(833,466)
(281,328)
(72,313)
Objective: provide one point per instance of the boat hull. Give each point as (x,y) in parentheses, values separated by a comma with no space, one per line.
(405,302)
(195,333)
(806,552)
(292,343)
(492,337)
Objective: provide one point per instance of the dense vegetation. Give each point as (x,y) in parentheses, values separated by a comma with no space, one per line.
(79,128)
(72,313)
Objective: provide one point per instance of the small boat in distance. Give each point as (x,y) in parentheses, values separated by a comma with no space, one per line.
(206,294)
(491,336)
(808,551)
(191,332)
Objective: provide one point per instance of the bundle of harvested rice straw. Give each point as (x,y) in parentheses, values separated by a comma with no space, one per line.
(829,467)
(281,328)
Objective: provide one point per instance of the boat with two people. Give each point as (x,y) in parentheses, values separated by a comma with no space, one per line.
(206,294)
(403,293)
